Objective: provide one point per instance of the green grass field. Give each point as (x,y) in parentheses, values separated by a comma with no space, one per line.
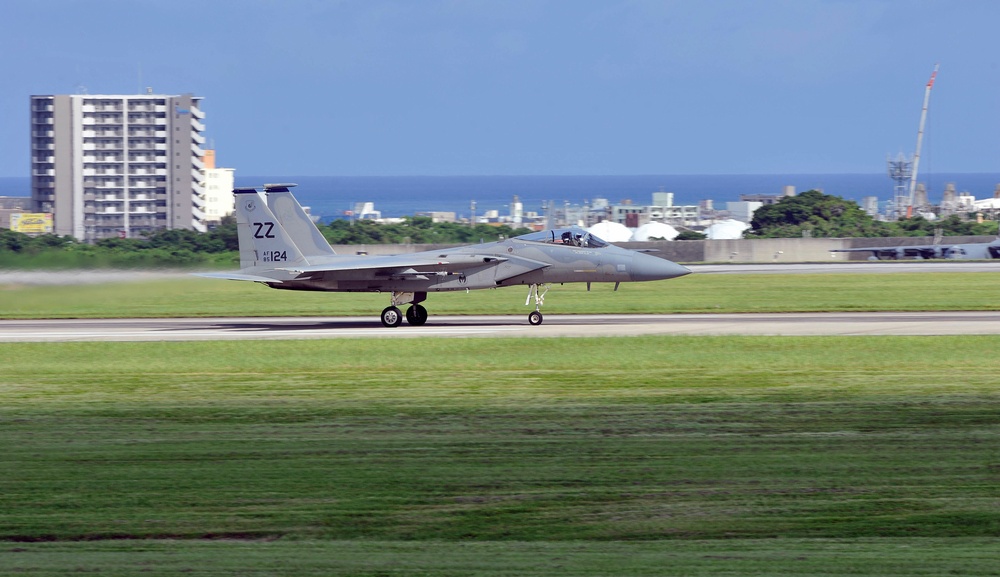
(200,297)
(627,456)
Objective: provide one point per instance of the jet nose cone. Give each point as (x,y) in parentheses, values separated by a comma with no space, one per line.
(646,267)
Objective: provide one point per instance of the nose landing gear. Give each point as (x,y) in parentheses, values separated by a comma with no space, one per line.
(535,316)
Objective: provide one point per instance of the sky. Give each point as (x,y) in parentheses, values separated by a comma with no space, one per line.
(530,87)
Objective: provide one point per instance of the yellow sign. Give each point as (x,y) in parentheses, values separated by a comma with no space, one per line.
(31,222)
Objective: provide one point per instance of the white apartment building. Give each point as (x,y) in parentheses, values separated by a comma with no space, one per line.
(218,184)
(118,165)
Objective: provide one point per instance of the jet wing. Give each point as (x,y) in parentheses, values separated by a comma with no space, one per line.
(397,265)
(921,250)
(888,248)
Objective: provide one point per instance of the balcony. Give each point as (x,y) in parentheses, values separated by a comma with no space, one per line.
(198,164)
(197,126)
(197,113)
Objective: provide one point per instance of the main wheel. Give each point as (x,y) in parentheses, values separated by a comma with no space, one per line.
(416,315)
(535,318)
(391,317)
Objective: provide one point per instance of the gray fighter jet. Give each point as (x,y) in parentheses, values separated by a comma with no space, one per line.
(282,248)
(963,251)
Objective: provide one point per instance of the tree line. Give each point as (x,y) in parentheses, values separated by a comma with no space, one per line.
(810,213)
(819,215)
(220,246)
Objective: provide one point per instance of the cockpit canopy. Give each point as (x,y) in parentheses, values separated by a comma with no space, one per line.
(573,236)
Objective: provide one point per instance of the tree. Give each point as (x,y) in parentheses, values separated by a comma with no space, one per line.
(690,235)
(822,215)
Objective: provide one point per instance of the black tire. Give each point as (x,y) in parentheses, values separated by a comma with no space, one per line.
(391,317)
(416,315)
(535,318)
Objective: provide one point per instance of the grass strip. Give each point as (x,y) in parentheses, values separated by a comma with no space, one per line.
(605,456)
(196,297)
(764,558)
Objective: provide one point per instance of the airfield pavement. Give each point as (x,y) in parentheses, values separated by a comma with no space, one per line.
(177,329)
(263,328)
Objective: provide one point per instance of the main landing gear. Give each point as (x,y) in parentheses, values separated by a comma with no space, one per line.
(416,315)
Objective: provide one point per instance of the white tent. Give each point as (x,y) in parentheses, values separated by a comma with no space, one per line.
(655,230)
(611,231)
(726,230)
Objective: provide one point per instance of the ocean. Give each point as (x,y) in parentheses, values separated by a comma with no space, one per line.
(395,196)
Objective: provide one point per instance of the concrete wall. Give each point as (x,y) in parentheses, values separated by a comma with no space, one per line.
(767,250)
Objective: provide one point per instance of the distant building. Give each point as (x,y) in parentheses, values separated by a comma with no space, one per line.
(661,210)
(438,216)
(219,184)
(11,205)
(118,165)
(870,205)
(766,199)
(365,211)
(743,210)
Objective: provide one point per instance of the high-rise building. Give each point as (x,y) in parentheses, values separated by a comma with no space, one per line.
(118,165)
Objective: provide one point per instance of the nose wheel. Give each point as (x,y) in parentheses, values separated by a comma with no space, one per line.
(535,316)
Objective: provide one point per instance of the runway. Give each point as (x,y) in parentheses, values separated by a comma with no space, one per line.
(262,328)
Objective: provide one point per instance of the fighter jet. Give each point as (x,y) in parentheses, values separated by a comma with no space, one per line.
(281,247)
(968,251)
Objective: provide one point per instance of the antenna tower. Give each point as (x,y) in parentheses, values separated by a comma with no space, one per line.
(901,172)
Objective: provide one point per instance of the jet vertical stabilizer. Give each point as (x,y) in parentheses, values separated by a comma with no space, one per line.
(264,243)
(301,229)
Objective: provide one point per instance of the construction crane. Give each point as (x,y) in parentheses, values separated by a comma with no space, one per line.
(920,140)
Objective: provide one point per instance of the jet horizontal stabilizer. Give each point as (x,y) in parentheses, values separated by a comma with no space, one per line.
(237,276)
